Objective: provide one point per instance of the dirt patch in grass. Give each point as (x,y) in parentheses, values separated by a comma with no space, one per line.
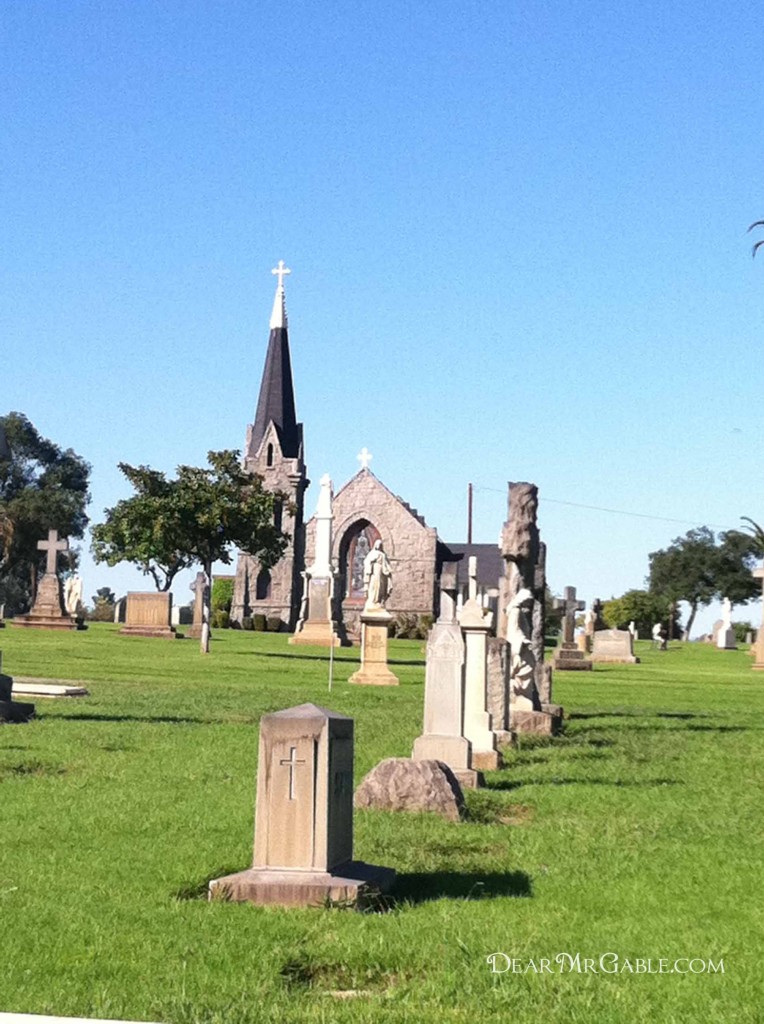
(33,768)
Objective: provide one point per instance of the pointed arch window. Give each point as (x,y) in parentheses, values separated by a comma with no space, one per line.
(269,456)
(263,585)
(357,543)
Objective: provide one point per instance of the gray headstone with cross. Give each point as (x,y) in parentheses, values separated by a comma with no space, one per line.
(303,814)
(51,547)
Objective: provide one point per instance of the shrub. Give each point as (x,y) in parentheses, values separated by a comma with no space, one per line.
(408,626)
(247,623)
(742,629)
(220,619)
(102,612)
(222,595)
(274,624)
(259,623)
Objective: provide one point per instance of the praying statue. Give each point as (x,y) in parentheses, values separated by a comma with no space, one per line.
(523,660)
(73,595)
(377,577)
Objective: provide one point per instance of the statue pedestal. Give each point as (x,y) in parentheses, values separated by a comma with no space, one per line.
(317,628)
(47,611)
(568,658)
(374,670)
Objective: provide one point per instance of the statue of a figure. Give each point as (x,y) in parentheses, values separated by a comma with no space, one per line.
(523,660)
(73,595)
(377,577)
(590,622)
(659,636)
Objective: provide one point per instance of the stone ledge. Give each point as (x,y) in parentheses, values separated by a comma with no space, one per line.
(349,883)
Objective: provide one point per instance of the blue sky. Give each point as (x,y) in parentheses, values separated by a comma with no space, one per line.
(516,230)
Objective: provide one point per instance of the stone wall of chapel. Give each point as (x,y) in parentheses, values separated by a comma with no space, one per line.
(410,546)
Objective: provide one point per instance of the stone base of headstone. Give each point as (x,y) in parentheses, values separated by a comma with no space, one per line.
(537,722)
(159,632)
(504,738)
(27,686)
(555,710)
(584,642)
(758,652)
(568,658)
(193,632)
(486,760)
(12,710)
(453,751)
(403,784)
(318,634)
(374,670)
(354,883)
(726,640)
(47,610)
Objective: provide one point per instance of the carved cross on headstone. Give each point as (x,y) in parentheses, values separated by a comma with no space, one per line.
(364,457)
(52,546)
(281,271)
(569,606)
(292,761)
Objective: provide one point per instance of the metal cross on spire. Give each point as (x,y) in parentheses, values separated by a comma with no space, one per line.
(281,271)
(364,457)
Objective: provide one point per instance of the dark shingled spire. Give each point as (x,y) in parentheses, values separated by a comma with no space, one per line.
(276,401)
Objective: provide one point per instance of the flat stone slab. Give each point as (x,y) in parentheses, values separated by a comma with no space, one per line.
(349,883)
(35,1018)
(403,784)
(27,686)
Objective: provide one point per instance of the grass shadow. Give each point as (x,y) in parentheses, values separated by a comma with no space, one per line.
(424,887)
(507,785)
(162,719)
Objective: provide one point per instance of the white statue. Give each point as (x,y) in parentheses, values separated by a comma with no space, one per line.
(659,636)
(377,577)
(523,660)
(73,595)
(590,620)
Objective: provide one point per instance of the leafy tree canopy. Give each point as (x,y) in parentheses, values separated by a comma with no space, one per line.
(42,487)
(641,607)
(198,517)
(699,567)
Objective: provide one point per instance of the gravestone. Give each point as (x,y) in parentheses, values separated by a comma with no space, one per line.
(759,645)
(615,646)
(497,690)
(48,610)
(725,639)
(120,609)
(567,657)
(315,625)
(148,614)
(443,737)
(10,709)
(194,631)
(375,622)
(476,625)
(303,852)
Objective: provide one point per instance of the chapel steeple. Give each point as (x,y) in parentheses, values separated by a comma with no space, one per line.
(276,400)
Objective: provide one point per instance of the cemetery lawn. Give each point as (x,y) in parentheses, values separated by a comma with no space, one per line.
(638,833)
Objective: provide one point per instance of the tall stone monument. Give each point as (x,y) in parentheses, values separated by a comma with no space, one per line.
(48,610)
(758,663)
(315,625)
(375,620)
(725,639)
(568,657)
(303,851)
(476,624)
(443,737)
(194,631)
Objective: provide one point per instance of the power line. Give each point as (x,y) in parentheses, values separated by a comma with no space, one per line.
(615,511)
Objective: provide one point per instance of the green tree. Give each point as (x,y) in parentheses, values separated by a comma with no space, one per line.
(736,560)
(103,600)
(641,607)
(42,487)
(195,518)
(686,571)
(222,595)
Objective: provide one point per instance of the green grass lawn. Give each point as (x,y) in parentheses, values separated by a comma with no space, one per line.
(637,832)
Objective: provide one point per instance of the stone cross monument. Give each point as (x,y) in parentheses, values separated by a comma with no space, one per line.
(315,625)
(303,852)
(197,588)
(476,625)
(48,609)
(443,737)
(568,657)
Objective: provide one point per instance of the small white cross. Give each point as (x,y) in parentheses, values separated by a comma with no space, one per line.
(364,457)
(281,271)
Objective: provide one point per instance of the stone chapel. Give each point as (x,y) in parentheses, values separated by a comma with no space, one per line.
(364,510)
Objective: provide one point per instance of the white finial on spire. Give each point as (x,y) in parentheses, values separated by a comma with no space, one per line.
(364,457)
(279,314)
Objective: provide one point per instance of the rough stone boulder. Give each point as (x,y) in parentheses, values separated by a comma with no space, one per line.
(402,784)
